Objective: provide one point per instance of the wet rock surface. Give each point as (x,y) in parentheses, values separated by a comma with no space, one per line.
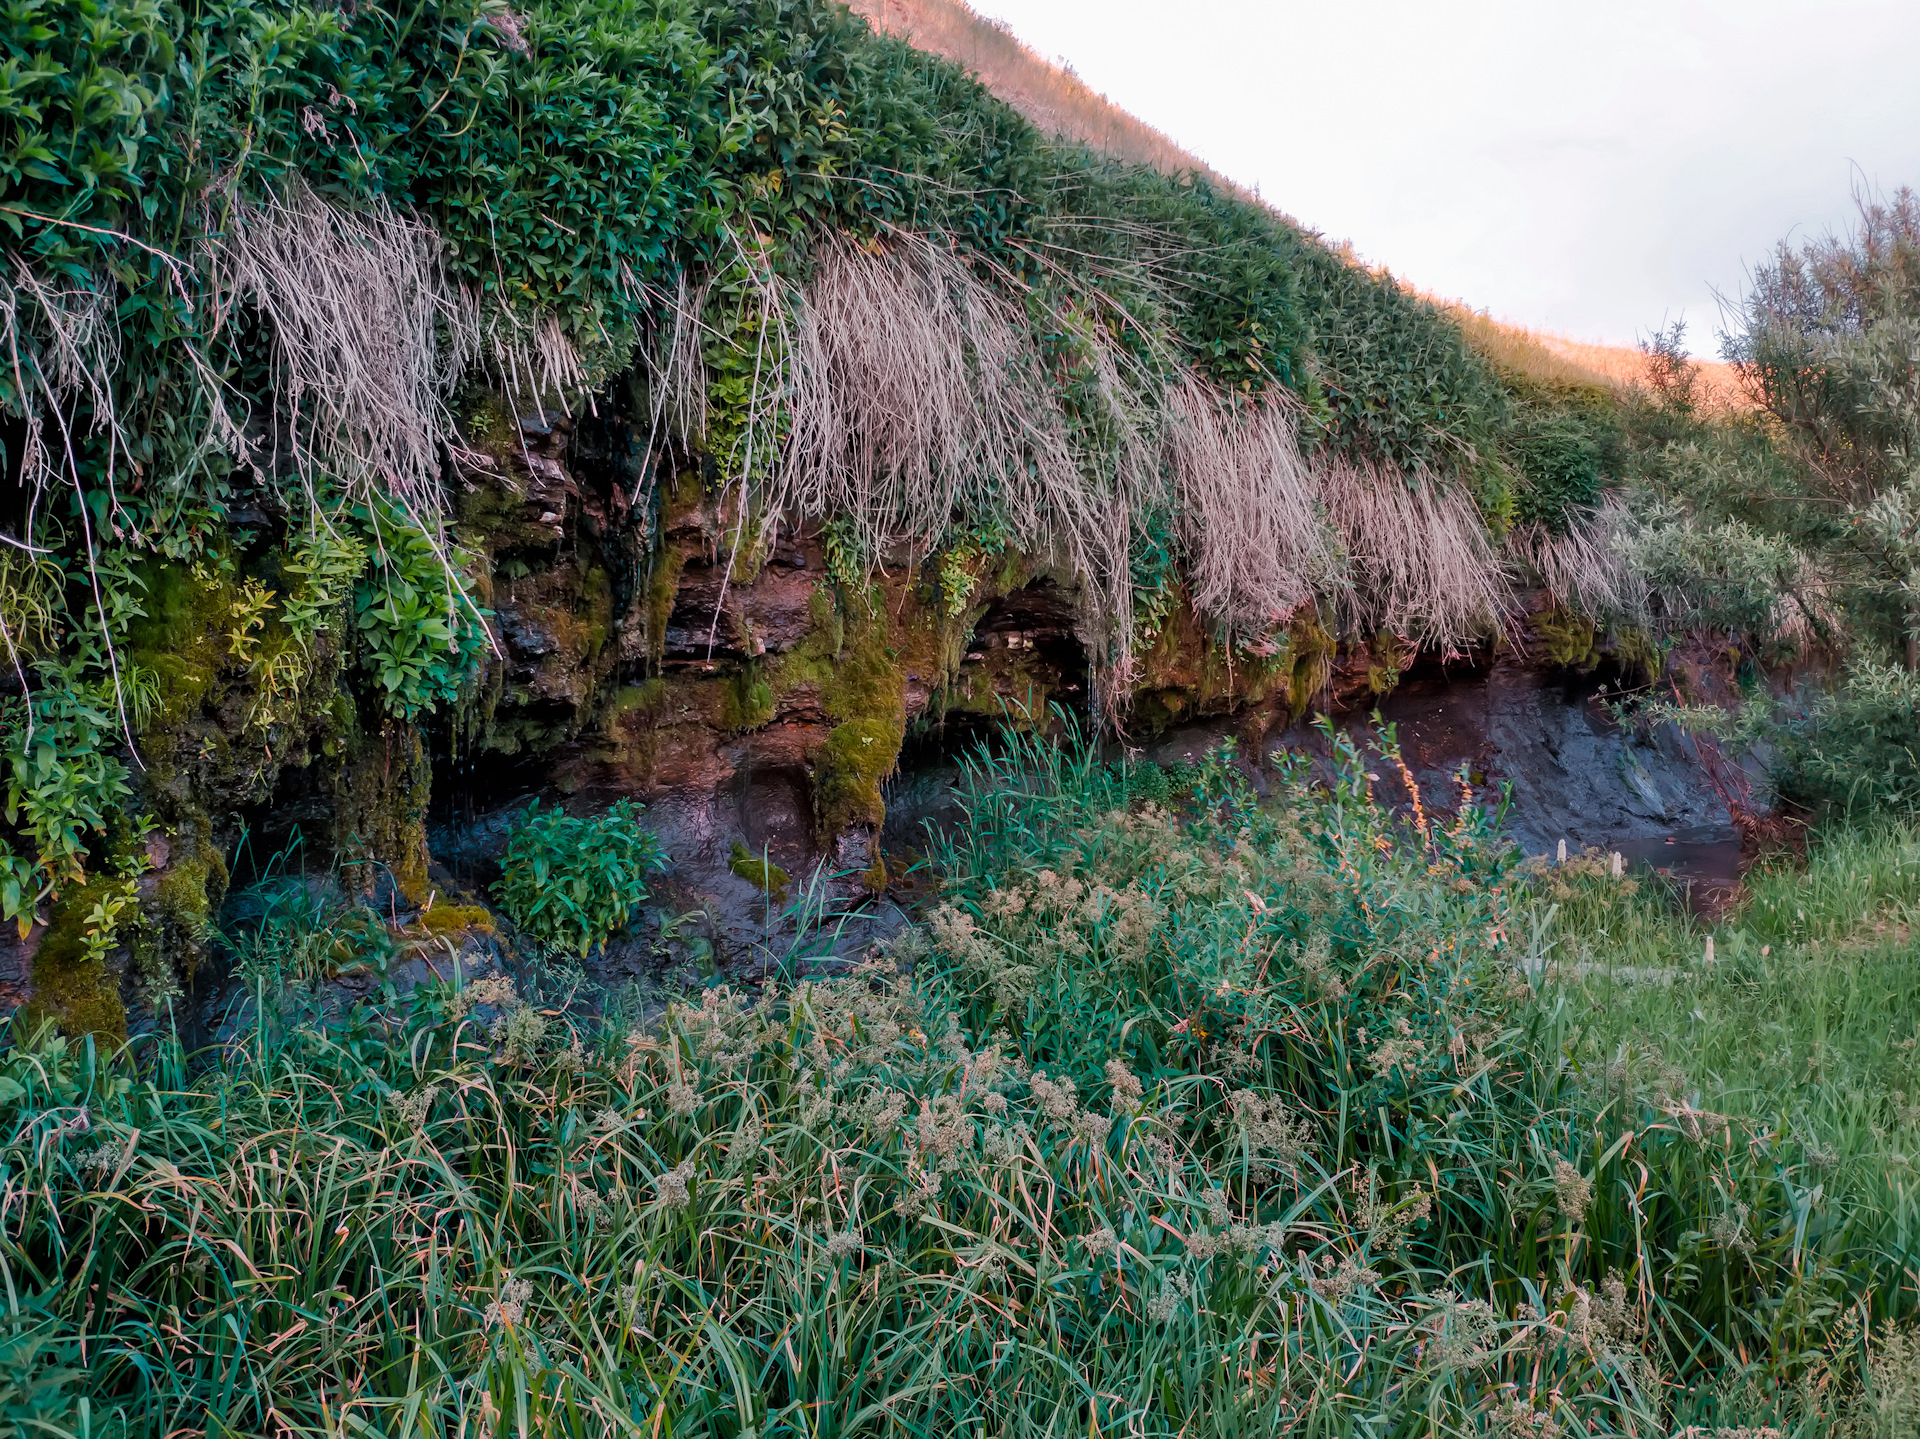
(1574,773)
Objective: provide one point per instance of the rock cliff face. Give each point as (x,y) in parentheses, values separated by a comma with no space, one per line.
(783,717)
(791,721)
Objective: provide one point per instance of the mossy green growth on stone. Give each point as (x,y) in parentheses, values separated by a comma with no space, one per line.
(74,989)
(854,763)
(630,725)
(1387,658)
(1638,652)
(1310,650)
(663,583)
(748,703)
(582,630)
(379,810)
(865,690)
(757,870)
(181,638)
(1572,639)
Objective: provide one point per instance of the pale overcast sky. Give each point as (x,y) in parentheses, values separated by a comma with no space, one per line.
(1586,168)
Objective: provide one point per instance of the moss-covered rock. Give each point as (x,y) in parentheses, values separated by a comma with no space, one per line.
(1572,639)
(379,812)
(749,703)
(848,775)
(73,985)
(757,870)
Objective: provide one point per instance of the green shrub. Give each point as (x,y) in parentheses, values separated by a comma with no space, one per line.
(572,883)
(1857,748)
(1561,461)
(422,636)
(62,784)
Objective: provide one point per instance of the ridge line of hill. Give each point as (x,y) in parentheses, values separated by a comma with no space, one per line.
(1060,103)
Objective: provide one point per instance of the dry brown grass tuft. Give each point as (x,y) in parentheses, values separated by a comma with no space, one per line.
(676,371)
(1056,100)
(1584,568)
(1249,517)
(918,398)
(368,338)
(1560,362)
(1420,562)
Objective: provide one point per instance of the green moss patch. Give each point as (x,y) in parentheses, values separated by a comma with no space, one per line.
(78,992)
(852,765)
(757,870)
(1572,640)
(748,703)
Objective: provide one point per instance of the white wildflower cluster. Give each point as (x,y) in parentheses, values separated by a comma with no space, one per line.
(1275,1137)
(870,1017)
(683,1098)
(672,1186)
(977,953)
(509,1306)
(413,1109)
(1175,1291)
(1518,1419)
(1127,1089)
(918,1200)
(1607,1323)
(590,1204)
(490,991)
(1400,1050)
(1729,1228)
(1101,1243)
(1002,1144)
(1339,1279)
(1059,1100)
(724,1031)
(1228,1236)
(518,1033)
(1462,1335)
(944,1132)
(1316,969)
(879,1110)
(1572,1191)
(100,1163)
(517,1027)
(1385,1221)
(844,1243)
(1701,1126)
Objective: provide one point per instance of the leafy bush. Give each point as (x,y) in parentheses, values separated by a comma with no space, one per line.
(1561,461)
(62,784)
(1857,748)
(422,635)
(572,883)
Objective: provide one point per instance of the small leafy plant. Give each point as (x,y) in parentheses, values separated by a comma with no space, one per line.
(571,882)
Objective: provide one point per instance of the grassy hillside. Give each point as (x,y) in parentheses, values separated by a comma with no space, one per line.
(1060,103)
(375,376)
(1185,1114)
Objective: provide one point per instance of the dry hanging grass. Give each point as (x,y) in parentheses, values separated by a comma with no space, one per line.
(1249,518)
(1585,568)
(534,363)
(919,397)
(1422,564)
(368,338)
(675,368)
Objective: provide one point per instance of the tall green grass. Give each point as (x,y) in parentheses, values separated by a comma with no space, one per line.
(1185,1112)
